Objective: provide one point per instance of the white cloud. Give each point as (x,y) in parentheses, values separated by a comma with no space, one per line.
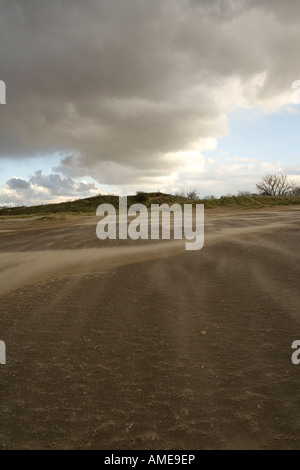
(292,111)
(42,188)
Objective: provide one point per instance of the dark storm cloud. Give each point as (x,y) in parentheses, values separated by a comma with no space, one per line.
(118,84)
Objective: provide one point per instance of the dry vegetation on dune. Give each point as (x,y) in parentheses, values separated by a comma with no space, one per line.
(89,205)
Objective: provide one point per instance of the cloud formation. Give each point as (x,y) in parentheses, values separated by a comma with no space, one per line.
(42,188)
(133,92)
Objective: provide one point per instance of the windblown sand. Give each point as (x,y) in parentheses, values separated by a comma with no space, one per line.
(143,345)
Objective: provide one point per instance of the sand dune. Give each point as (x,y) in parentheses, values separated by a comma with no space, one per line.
(128,345)
(44,259)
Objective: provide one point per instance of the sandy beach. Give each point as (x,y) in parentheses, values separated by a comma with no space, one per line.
(143,345)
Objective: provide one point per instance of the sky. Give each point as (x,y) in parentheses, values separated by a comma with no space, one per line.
(116,96)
